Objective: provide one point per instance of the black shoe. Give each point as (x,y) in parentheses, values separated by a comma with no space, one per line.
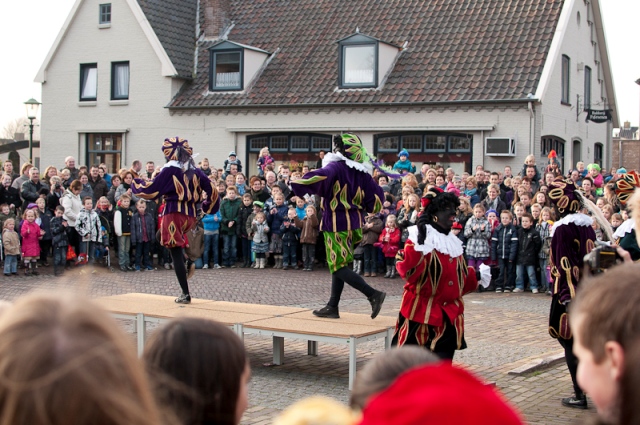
(183,299)
(327,311)
(191,269)
(376,301)
(575,402)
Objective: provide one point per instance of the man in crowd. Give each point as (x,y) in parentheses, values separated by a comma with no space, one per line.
(24,176)
(70,164)
(8,169)
(150,169)
(531,174)
(31,188)
(97,183)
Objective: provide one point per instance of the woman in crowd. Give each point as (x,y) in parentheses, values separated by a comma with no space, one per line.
(87,190)
(55,194)
(72,205)
(493,201)
(49,172)
(125,187)
(115,183)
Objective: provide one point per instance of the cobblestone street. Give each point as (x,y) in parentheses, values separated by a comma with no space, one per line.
(504,332)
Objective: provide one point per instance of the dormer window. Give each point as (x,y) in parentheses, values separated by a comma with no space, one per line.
(364,61)
(232,65)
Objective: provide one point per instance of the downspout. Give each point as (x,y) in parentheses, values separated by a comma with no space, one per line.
(531,126)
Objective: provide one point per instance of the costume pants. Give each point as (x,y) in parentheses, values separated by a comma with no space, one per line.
(347,275)
(572,364)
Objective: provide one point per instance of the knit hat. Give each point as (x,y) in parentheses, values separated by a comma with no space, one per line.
(490,211)
(403,152)
(441,394)
(562,195)
(626,185)
(232,153)
(170,147)
(621,171)
(593,166)
(258,204)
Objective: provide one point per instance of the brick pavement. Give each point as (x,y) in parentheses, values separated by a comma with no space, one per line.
(504,331)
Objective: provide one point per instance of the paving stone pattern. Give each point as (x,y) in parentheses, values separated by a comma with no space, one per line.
(503,331)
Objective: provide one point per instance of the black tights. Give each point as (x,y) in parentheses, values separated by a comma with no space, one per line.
(180,268)
(347,275)
(572,363)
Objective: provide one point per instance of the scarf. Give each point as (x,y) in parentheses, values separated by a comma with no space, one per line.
(470,192)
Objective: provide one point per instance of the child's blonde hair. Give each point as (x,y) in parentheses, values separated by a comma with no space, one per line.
(530,158)
(617,216)
(407,208)
(392,218)
(545,210)
(480,207)
(27,211)
(261,214)
(9,220)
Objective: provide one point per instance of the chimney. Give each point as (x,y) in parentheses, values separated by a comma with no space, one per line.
(217,17)
(627,124)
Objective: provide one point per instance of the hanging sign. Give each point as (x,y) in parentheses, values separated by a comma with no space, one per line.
(598,115)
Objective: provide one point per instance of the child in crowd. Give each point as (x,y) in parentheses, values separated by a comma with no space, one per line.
(301,207)
(142,235)
(518,211)
(478,232)
(530,161)
(371,230)
(232,159)
(277,215)
(229,212)
(403,165)
(290,234)
(616,221)
(260,232)
(104,209)
(536,209)
(528,247)
(122,227)
(60,240)
(31,234)
(88,227)
(308,236)
(246,209)
(211,223)
(607,211)
(408,216)
(457,231)
(11,243)
(44,221)
(543,227)
(389,241)
(257,207)
(504,249)
(241,184)
(6,213)
(525,199)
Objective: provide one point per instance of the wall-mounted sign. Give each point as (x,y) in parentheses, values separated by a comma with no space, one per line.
(598,115)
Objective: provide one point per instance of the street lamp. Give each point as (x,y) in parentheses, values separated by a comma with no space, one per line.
(32,111)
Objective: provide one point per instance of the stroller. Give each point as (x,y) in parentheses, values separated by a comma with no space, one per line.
(102,252)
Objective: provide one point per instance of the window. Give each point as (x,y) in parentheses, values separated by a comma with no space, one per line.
(88,82)
(319,143)
(389,144)
(436,143)
(358,62)
(412,143)
(557,144)
(105,14)
(119,80)
(459,144)
(289,142)
(566,62)
(587,88)
(577,151)
(105,147)
(300,143)
(424,143)
(226,70)
(597,153)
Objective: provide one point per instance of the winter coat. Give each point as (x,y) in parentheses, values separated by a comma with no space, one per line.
(111,195)
(211,225)
(230,211)
(275,220)
(309,229)
(370,235)
(122,221)
(260,232)
(30,235)
(10,196)
(528,246)
(136,228)
(11,242)
(544,231)
(497,205)
(291,233)
(31,191)
(462,218)
(88,226)
(504,243)
(99,188)
(390,247)
(86,192)
(45,224)
(404,165)
(72,206)
(121,190)
(406,220)
(478,240)
(245,212)
(59,232)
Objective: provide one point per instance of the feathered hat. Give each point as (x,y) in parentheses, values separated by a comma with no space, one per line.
(626,185)
(170,148)
(562,194)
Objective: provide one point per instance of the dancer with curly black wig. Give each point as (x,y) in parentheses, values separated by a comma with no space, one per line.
(348,192)
(437,277)
(182,186)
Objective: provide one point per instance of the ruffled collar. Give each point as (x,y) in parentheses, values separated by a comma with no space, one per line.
(337,156)
(174,163)
(578,219)
(445,244)
(628,226)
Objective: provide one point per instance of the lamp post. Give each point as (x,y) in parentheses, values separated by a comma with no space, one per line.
(32,111)
(638,83)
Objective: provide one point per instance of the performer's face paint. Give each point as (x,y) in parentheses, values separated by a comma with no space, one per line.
(446,218)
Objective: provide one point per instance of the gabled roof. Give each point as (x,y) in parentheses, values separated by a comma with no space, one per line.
(225,44)
(174,22)
(628,133)
(457,50)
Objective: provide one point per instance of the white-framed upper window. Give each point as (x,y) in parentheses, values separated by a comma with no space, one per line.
(119,80)
(88,82)
(566,70)
(105,14)
(358,62)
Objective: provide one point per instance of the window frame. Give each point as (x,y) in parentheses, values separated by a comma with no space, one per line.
(587,88)
(114,65)
(342,46)
(84,66)
(423,135)
(549,142)
(312,137)
(212,66)
(102,13)
(565,92)
(115,137)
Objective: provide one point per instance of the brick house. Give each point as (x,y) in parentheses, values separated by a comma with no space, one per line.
(454,82)
(626,147)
